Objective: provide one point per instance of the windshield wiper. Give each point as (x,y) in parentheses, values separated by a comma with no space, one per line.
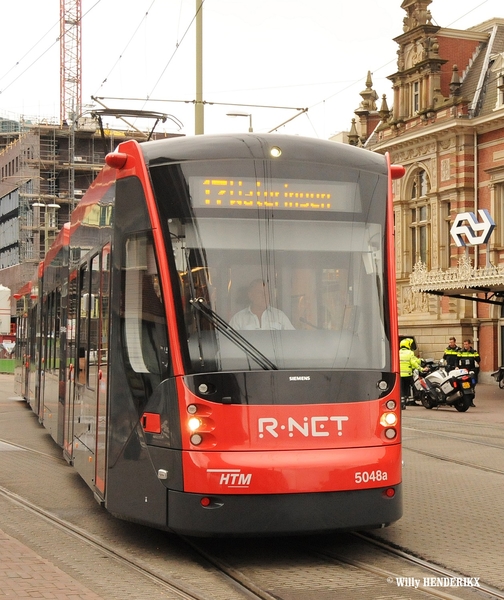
(225,328)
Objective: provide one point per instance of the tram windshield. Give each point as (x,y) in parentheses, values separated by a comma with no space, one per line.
(271,283)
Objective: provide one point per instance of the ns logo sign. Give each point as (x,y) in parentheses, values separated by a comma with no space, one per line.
(474,231)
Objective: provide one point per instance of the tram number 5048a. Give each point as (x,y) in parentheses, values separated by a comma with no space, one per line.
(367,476)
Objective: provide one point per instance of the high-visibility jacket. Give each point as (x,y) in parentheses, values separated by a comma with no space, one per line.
(408,361)
(467,359)
(451,355)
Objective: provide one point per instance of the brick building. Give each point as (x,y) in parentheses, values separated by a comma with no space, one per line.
(445,124)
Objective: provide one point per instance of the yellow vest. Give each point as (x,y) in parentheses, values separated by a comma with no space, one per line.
(408,361)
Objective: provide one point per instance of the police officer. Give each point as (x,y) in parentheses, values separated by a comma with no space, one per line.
(451,354)
(467,359)
(407,362)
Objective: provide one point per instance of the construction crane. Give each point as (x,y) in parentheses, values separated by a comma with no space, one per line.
(70,61)
(70,79)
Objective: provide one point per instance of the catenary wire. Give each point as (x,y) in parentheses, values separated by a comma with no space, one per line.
(125,47)
(35,61)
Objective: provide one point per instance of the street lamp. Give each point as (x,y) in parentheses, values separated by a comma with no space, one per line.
(242,114)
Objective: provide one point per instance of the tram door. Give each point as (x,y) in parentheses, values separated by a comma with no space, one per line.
(70,367)
(32,359)
(87,426)
(103,323)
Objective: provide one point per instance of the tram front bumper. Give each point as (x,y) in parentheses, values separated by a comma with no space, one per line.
(277,514)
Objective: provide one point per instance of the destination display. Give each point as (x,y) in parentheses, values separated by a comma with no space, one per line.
(288,194)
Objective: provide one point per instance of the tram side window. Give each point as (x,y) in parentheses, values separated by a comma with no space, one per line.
(44,337)
(104,307)
(144,315)
(20,330)
(57,327)
(83,332)
(89,323)
(52,325)
(72,319)
(94,322)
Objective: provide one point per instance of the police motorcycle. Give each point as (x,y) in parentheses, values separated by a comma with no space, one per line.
(439,387)
(499,377)
(422,388)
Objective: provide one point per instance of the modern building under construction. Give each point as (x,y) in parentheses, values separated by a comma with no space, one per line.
(47,165)
(45,168)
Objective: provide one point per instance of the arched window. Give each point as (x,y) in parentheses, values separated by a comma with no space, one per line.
(420,219)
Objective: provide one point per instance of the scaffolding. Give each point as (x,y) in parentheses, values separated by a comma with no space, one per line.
(46,169)
(38,221)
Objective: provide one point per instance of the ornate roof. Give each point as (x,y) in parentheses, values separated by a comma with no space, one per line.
(462,281)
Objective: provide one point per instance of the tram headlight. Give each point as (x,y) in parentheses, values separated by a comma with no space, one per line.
(388,419)
(199,426)
(194,423)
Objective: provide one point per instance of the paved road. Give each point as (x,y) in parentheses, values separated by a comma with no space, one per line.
(454,514)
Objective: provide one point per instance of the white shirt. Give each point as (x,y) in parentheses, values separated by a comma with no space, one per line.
(272,318)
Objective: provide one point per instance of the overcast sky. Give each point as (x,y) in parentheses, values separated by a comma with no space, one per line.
(311,54)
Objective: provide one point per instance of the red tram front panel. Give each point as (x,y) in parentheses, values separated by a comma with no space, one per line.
(292,449)
(293,471)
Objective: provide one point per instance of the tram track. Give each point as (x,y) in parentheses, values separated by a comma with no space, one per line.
(461,438)
(32,450)
(436,570)
(424,579)
(244,586)
(162,582)
(465,438)
(456,461)
(235,574)
(261,578)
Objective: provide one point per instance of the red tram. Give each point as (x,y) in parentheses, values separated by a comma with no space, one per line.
(214,339)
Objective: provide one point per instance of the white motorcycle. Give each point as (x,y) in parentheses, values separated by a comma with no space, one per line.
(439,387)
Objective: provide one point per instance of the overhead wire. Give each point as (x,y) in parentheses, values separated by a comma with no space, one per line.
(179,42)
(179,19)
(357,81)
(34,62)
(176,48)
(464,15)
(350,85)
(18,62)
(125,47)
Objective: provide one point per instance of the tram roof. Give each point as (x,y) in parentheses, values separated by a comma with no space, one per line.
(258,146)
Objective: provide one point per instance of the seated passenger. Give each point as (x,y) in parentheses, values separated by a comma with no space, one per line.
(259,314)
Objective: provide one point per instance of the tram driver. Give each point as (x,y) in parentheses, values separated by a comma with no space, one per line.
(259,314)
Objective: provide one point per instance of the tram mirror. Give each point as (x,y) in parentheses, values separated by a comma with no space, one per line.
(367,259)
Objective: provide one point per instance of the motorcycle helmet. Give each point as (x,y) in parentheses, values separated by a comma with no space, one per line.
(406,343)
